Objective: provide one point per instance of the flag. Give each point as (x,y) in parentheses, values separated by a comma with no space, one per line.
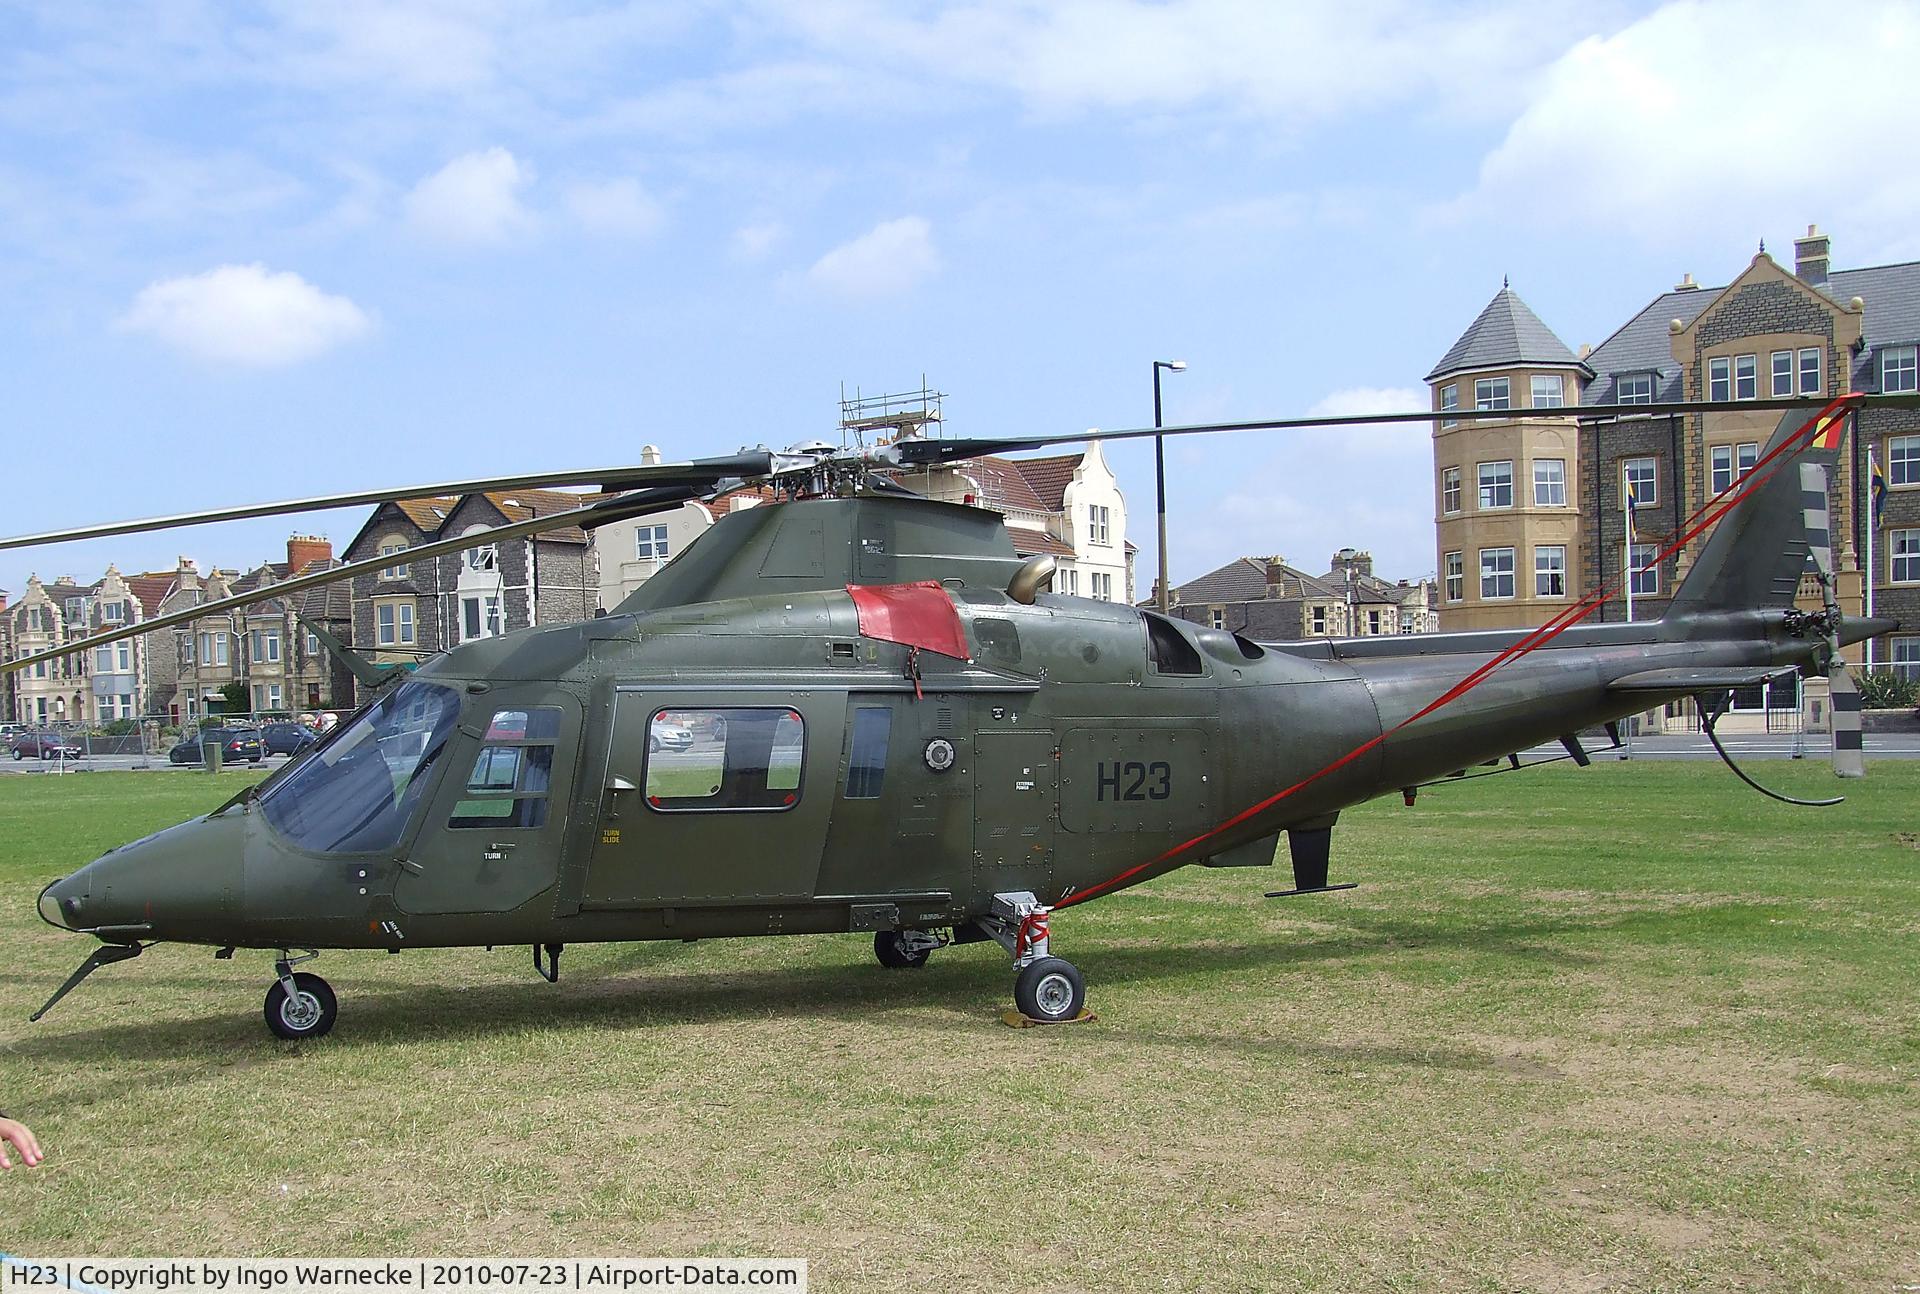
(1877,489)
(1631,538)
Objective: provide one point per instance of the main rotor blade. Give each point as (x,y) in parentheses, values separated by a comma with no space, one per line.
(699,472)
(622,508)
(918,452)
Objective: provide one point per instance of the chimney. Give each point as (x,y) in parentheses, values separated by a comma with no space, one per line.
(1810,257)
(304,550)
(1686,284)
(1276,577)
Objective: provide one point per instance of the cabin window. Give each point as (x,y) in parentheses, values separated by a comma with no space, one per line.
(1169,649)
(738,758)
(867,754)
(512,775)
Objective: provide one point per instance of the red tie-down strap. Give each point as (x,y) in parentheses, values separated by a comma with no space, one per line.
(914,615)
(1822,430)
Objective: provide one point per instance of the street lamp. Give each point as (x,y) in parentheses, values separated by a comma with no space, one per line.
(1160,473)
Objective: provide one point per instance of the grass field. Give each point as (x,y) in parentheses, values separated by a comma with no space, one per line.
(1632,1028)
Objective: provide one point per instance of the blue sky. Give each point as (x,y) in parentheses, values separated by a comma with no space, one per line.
(275,250)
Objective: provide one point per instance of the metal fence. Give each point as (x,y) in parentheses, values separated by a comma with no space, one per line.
(152,742)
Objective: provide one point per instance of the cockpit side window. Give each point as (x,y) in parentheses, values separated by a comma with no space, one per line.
(356,793)
(511,776)
(1168,648)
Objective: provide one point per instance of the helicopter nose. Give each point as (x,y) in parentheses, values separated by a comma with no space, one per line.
(61,903)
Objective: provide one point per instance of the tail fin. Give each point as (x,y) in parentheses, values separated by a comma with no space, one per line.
(1758,551)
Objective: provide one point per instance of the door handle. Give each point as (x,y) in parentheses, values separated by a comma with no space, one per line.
(616,786)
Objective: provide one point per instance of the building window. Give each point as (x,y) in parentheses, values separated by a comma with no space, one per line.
(650,544)
(479,617)
(1456,577)
(1746,377)
(1073,581)
(1496,484)
(1646,573)
(1549,482)
(1731,463)
(484,558)
(1492,393)
(1720,378)
(1101,585)
(1217,618)
(1633,388)
(1097,526)
(1898,371)
(1640,478)
(1906,658)
(213,649)
(1782,372)
(114,613)
(1550,571)
(1549,391)
(1450,490)
(1449,401)
(394,621)
(1373,621)
(1496,572)
(1319,620)
(398,571)
(266,646)
(1903,548)
(1810,382)
(312,644)
(1903,460)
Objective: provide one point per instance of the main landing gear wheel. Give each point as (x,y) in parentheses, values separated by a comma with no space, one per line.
(309,1012)
(1050,989)
(896,952)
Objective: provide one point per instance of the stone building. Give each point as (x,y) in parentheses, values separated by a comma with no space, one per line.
(408,610)
(1267,600)
(1811,331)
(1506,513)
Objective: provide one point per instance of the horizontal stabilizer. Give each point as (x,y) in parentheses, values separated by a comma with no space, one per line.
(1697,680)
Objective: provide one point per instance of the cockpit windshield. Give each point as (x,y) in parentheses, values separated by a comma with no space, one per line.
(355,793)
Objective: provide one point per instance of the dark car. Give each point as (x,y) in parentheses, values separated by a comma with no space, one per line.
(235,744)
(47,745)
(288,738)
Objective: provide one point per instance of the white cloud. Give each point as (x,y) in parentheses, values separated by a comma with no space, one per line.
(619,208)
(245,314)
(473,199)
(1707,111)
(894,256)
(755,242)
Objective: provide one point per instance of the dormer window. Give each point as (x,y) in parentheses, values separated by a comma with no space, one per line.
(1897,370)
(1633,388)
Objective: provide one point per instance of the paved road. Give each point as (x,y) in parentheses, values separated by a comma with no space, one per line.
(116,763)
(1745,745)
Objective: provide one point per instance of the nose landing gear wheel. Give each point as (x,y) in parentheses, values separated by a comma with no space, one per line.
(1051,990)
(308,1013)
(895,953)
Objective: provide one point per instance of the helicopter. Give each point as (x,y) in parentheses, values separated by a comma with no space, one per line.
(855,709)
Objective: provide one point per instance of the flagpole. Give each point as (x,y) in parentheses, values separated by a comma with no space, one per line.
(1873,520)
(1626,563)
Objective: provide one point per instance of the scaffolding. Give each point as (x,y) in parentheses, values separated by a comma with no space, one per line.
(901,415)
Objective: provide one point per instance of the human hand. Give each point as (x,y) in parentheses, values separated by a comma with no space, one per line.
(20,1137)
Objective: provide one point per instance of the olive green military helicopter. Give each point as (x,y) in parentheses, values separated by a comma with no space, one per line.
(855,709)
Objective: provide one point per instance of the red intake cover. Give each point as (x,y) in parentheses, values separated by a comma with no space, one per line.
(914,615)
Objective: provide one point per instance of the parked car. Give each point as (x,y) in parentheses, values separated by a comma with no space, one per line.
(668,736)
(47,745)
(235,744)
(287,737)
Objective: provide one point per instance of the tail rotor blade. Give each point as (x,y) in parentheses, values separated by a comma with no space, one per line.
(1849,756)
